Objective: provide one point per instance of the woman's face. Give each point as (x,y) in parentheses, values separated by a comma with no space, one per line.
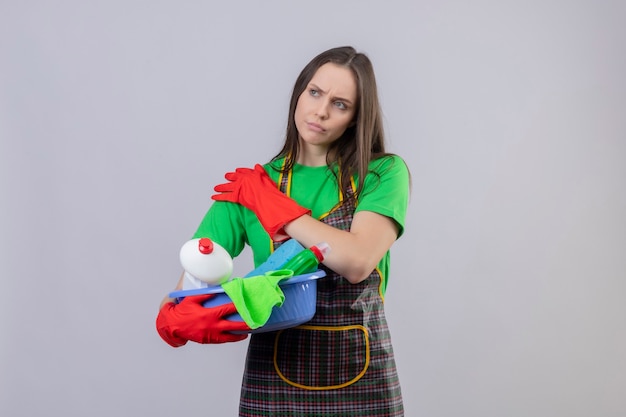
(326,107)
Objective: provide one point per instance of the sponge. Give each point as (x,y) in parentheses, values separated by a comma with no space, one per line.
(285,252)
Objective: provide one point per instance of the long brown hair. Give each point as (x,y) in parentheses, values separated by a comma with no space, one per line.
(364,140)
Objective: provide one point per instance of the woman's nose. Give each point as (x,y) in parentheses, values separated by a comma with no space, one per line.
(322,110)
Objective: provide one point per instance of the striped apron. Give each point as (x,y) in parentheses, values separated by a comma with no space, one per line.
(340,363)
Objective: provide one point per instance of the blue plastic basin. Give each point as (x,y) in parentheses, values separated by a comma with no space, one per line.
(298,308)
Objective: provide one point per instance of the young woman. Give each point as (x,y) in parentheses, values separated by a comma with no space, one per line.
(331,182)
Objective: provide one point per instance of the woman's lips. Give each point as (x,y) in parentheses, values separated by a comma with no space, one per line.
(315,127)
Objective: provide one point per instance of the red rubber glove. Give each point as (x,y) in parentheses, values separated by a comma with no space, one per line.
(254,189)
(190,320)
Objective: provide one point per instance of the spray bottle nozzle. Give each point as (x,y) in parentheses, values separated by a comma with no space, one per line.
(320,250)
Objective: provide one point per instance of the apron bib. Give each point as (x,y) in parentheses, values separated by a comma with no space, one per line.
(338,364)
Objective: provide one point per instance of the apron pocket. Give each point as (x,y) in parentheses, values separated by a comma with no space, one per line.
(321,357)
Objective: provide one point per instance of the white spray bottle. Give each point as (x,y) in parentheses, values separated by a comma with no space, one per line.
(205,263)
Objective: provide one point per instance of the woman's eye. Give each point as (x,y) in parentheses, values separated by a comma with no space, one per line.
(314,92)
(341,105)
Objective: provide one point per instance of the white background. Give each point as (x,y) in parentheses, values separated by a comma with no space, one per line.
(117,118)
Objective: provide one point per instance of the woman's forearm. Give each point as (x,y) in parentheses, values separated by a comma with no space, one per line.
(355,253)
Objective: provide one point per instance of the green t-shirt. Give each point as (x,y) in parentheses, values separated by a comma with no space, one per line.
(385,191)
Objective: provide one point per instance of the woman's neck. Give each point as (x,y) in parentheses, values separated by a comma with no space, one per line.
(312,156)
(311,161)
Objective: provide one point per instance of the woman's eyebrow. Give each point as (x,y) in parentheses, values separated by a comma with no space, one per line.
(315,86)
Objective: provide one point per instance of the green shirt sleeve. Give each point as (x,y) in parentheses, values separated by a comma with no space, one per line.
(386,189)
(233,226)
(224,224)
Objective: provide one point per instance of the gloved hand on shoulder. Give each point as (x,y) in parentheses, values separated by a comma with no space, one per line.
(255,190)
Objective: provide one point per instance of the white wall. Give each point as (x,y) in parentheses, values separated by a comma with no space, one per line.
(118,117)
